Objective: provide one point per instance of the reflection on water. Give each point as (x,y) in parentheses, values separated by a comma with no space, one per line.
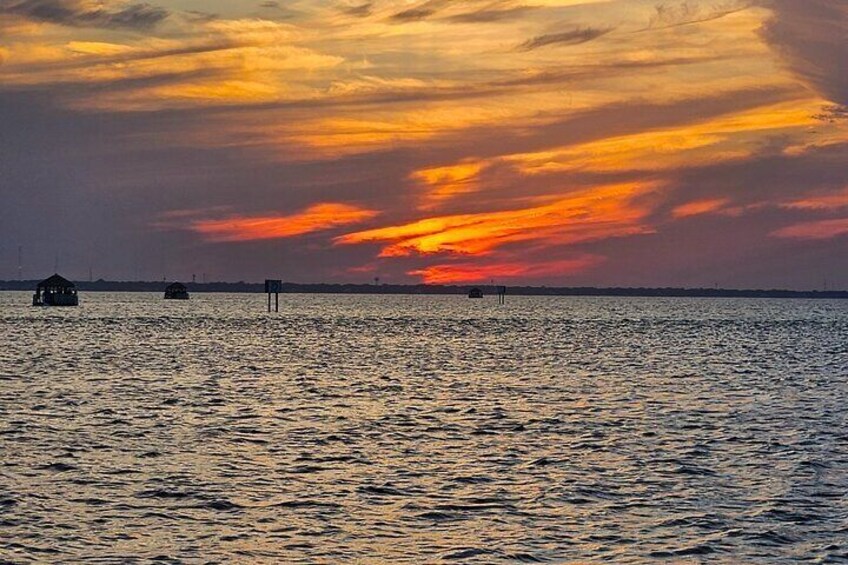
(423,428)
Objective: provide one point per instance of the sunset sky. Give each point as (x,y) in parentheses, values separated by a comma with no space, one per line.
(557,142)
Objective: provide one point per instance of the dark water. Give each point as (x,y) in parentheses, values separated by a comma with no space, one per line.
(366,429)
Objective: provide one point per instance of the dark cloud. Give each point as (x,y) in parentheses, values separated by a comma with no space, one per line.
(87,187)
(488,15)
(833,114)
(413,14)
(359,11)
(420,12)
(573,37)
(670,15)
(100,173)
(78,14)
(282,12)
(812,39)
(197,16)
(210,46)
(768,178)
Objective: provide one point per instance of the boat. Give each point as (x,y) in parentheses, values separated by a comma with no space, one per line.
(55,291)
(176,291)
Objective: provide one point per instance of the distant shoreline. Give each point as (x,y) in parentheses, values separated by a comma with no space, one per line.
(292,288)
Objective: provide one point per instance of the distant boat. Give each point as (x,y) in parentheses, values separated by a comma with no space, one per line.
(475,293)
(176,291)
(55,291)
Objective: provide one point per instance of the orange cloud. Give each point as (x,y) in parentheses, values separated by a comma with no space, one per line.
(722,138)
(452,273)
(444,183)
(823,229)
(315,218)
(594,214)
(698,208)
(821,201)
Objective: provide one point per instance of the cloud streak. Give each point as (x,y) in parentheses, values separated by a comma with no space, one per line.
(492,14)
(686,13)
(815,230)
(591,215)
(82,13)
(318,217)
(575,36)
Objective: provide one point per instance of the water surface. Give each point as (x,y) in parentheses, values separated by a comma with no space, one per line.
(420,429)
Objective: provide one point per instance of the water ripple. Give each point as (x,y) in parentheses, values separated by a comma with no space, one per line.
(418,429)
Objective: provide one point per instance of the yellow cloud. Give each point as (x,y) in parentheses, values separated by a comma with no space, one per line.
(599,213)
(444,183)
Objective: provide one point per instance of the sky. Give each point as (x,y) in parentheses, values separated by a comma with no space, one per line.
(548,142)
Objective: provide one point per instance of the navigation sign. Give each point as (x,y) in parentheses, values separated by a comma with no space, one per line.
(274,287)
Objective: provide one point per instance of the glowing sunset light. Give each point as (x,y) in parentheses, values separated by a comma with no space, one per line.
(421,137)
(453,273)
(829,201)
(699,207)
(315,218)
(444,183)
(600,213)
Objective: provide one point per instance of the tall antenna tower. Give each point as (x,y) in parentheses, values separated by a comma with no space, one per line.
(20,262)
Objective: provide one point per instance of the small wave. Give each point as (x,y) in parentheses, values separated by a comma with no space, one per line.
(58,467)
(702,549)
(694,471)
(306,469)
(384,490)
(164,493)
(91,501)
(303,504)
(467,553)
(771,537)
(525,558)
(473,480)
(221,505)
(436,516)
(542,462)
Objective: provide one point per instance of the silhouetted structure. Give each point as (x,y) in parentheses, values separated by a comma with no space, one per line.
(275,287)
(176,291)
(475,293)
(55,291)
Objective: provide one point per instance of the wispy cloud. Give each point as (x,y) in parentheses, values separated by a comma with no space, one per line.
(82,13)
(359,10)
(699,207)
(575,36)
(495,13)
(597,214)
(419,11)
(819,229)
(318,217)
(824,201)
(690,12)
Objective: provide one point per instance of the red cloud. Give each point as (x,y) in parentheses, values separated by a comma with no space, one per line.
(476,272)
(315,218)
(823,229)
